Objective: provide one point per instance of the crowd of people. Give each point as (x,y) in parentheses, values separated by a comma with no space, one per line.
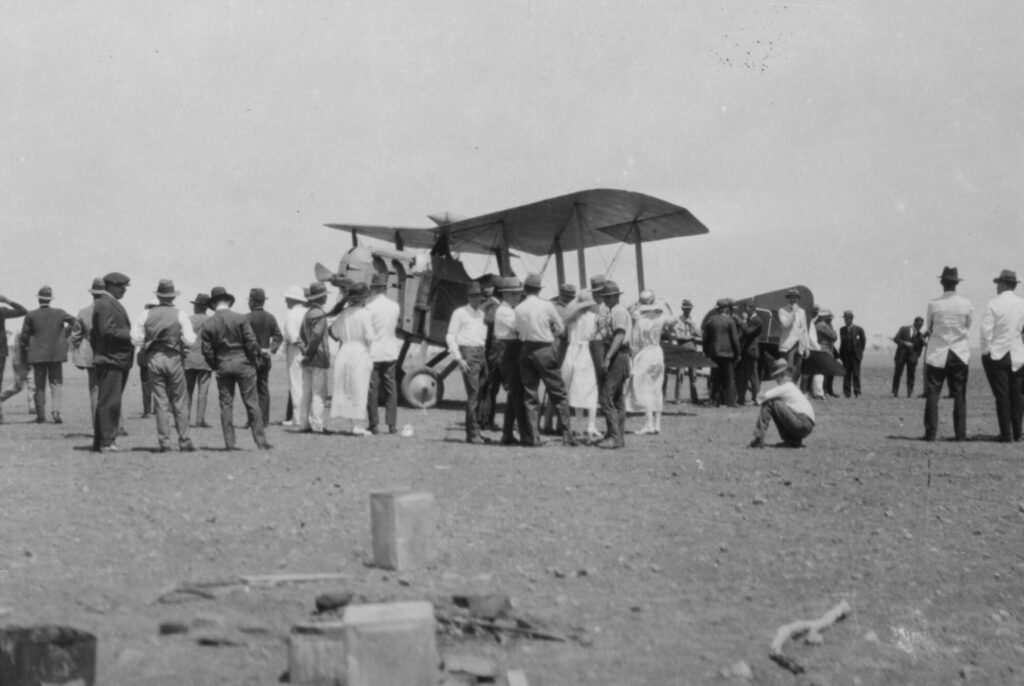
(593,356)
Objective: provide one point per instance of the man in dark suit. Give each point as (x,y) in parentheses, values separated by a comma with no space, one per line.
(44,335)
(910,342)
(722,345)
(269,337)
(12,310)
(851,351)
(112,354)
(827,338)
(231,350)
(748,375)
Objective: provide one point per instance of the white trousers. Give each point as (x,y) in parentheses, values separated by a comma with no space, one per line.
(314,393)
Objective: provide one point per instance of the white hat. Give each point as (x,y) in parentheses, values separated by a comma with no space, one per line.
(295,293)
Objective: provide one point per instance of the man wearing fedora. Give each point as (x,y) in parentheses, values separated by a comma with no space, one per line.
(467,340)
(197,372)
(722,345)
(785,405)
(164,332)
(81,348)
(686,335)
(852,341)
(269,337)
(794,338)
(1002,354)
(614,366)
(509,347)
(314,347)
(10,310)
(295,301)
(45,335)
(112,354)
(947,321)
(384,313)
(231,350)
(910,341)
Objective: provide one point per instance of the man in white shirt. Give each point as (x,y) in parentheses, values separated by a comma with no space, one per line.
(794,338)
(1002,354)
(384,313)
(539,326)
(467,336)
(509,347)
(164,333)
(295,301)
(947,320)
(787,406)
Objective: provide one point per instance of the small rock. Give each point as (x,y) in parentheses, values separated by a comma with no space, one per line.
(758,500)
(814,638)
(403,581)
(636,608)
(207,621)
(871,637)
(656,569)
(723,548)
(480,667)
(738,670)
(334,600)
(173,627)
(972,673)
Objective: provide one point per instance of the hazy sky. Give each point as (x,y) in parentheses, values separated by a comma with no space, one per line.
(855,148)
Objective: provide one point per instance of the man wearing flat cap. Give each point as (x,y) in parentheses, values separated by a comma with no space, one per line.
(269,337)
(794,337)
(44,335)
(231,350)
(164,333)
(1002,354)
(467,340)
(852,341)
(947,320)
(197,372)
(112,354)
(10,310)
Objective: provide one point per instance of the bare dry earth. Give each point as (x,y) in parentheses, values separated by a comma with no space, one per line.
(695,547)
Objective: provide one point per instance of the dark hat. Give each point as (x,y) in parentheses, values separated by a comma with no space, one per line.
(257,294)
(489,281)
(1006,276)
(379,280)
(687,303)
(596,282)
(359,291)
(45,293)
(610,288)
(779,367)
(722,302)
(474,288)
(98,286)
(511,284)
(165,289)
(116,278)
(317,292)
(219,293)
(950,274)
(848,313)
(533,281)
(202,299)
(793,293)
(567,289)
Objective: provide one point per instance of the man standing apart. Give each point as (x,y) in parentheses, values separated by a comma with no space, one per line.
(384,313)
(1002,354)
(164,333)
(315,357)
(722,345)
(44,334)
(794,339)
(466,339)
(787,406)
(268,335)
(197,372)
(112,354)
(686,335)
(947,321)
(852,341)
(295,301)
(539,327)
(909,344)
(11,310)
(615,367)
(231,350)
(81,348)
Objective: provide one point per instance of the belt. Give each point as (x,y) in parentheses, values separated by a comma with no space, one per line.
(537,344)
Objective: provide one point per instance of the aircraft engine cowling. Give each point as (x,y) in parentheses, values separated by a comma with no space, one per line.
(357,264)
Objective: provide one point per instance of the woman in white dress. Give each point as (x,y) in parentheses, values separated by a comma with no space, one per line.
(578,366)
(353,366)
(648,373)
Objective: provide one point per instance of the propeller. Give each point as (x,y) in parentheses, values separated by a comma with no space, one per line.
(322,273)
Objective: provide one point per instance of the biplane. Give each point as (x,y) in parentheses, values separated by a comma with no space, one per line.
(429,281)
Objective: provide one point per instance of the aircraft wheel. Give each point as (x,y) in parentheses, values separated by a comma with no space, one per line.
(422,388)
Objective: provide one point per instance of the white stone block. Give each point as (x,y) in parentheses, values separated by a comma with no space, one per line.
(393,644)
(404,529)
(317,655)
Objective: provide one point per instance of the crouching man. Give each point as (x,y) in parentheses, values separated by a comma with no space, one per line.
(787,407)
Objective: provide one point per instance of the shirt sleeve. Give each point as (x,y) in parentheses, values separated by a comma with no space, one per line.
(621,321)
(188,334)
(453,330)
(988,323)
(138,331)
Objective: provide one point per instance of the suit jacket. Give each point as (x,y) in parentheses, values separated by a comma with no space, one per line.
(721,339)
(851,342)
(81,345)
(111,334)
(268,333)
(827,336)
(750,337)
(313,341)
(45,335)
(227,340)
(909,344)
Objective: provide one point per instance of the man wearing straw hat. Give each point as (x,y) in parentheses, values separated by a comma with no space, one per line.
(81,348)
(164,332)
(112,354)
(197,372)
(508,345)
(231,350)
(785,405)
(11,310)
(1002,354)
(947,321)
(44,334)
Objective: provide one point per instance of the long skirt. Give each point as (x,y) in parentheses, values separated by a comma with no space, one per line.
(352,369)
(579,376)
(648,374)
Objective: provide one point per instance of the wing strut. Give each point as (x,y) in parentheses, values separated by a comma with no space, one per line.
(580,259)
(639,255)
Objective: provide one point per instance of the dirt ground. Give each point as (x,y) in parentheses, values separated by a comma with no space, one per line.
(693,548)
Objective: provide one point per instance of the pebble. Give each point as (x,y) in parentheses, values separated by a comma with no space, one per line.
(480,667)
(972,673)
(738,670)
(814,638)
(871,637)
(758,500)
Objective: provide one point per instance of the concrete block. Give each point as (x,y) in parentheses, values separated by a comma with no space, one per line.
(404,529)
(317,655)
(391,643)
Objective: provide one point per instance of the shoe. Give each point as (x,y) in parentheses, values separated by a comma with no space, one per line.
(392,429)
(204,425)
(264,446)
(40,420)
(112,448)
(793,443)
(610,444)
(646,430)
(121,431)
(144,415)
(568,439)
(360,431)
(756,443)
(509,441)
(164,449)
(57,419)
(187,447)
(928,438)
(594,435)
(475,439)
(288,422)
(374,430)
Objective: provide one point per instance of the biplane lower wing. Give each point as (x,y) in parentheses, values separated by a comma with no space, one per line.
(822,362)
(678,358)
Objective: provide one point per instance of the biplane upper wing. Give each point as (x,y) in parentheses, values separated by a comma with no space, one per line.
(569,222)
